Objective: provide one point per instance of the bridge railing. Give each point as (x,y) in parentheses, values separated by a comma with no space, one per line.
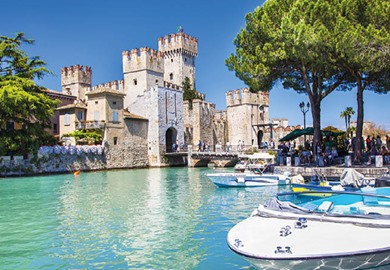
(237,149)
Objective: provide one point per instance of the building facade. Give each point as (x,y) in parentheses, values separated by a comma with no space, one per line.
(146,107)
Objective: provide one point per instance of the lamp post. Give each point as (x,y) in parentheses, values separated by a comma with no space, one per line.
(304,110)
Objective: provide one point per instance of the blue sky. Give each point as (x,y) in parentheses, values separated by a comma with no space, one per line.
(95,32)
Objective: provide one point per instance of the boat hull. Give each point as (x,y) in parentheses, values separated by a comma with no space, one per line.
(313,187)
(247,180)
(325,245)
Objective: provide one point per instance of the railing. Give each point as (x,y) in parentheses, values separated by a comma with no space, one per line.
(236,149)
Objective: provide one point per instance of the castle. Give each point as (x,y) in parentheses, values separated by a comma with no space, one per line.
(145,111)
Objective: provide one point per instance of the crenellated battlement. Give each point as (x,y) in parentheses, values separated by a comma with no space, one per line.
(114,85)
(245,96)
(144,58)
(179,42)
(76,74)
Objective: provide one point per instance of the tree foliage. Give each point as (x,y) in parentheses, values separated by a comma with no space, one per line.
(362,37)
(314,47)
(189,93)
(346,114)
(95,135)
(23,102)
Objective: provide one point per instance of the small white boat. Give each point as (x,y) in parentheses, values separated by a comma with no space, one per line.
(250,179)
(347,230)
(256,161)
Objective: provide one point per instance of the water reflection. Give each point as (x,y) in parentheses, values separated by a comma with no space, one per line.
(171,218)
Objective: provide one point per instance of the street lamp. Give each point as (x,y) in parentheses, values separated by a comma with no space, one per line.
(304,111)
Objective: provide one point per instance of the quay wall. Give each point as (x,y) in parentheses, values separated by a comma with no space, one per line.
(333,171)
(125,156)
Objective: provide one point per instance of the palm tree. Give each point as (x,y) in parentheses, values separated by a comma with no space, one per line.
(347,115)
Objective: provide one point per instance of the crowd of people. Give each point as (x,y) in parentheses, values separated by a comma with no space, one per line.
(328,152)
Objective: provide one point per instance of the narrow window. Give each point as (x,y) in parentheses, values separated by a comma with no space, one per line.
(171,76)
(115,140)
(135,81)
(172,60)
(67,119)
(114,103)
(80,116)
(96,116)
(115,116)
(96,102)
(55,128)
(175,107)
(166,107)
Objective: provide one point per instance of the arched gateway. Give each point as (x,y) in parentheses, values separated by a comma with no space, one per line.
(170,139)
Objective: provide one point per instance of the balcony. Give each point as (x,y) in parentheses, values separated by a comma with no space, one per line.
(89,124)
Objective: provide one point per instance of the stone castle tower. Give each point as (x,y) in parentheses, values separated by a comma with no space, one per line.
(179,52)
(142,69)
(152,88)
(247,113)
(76,80)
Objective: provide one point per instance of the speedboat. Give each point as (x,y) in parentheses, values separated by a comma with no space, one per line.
(250,179)
(346,230)
(255,161)
(350,180)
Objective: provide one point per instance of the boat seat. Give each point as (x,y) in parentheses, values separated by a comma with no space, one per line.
(325,206)
(310,206)
(369,200)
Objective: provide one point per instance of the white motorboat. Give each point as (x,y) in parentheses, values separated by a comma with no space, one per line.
(250,179)
(256,161)
(347,230)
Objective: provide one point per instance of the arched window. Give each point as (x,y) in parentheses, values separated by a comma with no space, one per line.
(171,76)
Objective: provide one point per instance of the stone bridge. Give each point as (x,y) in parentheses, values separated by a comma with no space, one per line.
(202,159)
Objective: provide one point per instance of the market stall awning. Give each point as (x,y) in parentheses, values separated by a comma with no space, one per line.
(308,131)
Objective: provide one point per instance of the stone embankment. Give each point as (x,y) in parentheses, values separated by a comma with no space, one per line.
(64,159)
(332,171)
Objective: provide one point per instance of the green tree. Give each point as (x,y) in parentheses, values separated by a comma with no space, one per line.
(362,36)
(289,41)
(346,114)
(316,47)
(189,93)
(23,102)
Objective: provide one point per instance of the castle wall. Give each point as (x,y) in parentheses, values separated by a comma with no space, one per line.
(221,127)
(199,123)
(164,109)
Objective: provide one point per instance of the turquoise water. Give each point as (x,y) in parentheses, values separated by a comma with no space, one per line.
(171,218)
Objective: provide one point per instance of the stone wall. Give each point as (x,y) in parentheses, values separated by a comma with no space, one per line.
(124,156)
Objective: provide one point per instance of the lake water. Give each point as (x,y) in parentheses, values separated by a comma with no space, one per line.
(170,218)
